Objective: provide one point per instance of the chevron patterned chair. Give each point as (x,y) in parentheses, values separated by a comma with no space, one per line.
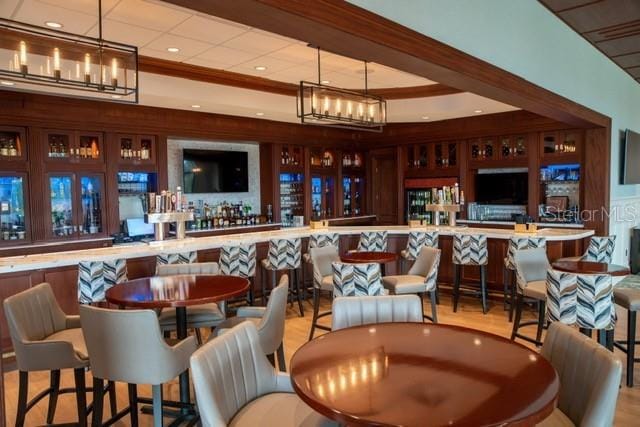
(415,242)
(239,260)
(319,240)
(283,255)
(357,280)
(96,277)
(600,249)
(595,309)
(509,270)
(470,250)
(562,297)
(177,258)
(372,241)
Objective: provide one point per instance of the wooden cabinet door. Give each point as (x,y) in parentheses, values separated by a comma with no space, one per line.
(384,188)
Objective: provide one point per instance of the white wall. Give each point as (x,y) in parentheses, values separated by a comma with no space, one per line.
(524,38)
(174,163)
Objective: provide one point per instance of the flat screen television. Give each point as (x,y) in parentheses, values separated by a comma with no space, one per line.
(631,161)
(212,171)
(509,188)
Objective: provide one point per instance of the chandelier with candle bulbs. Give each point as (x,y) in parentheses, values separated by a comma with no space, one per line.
(320,104)
(38,59)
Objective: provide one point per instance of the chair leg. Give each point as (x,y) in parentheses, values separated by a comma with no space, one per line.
(53,396)
(156,392)
(274,274)
(518,316)
(113,401)
(81,396)
(98,402)
(434,306)
(298,293)
(250,293)
(281,363)
(304,283)
(542,313)
(483,287)
(456,286)
(198,335)
(631,345)
(271,359)
(437,294)
(514,287)
(133,404)
(586,331)
(421,295)
(316,311)
(23,390)
(505,286)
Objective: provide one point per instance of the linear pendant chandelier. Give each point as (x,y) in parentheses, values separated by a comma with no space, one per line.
(37,59)
(319,104)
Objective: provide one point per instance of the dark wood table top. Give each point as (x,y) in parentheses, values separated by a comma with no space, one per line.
(590,267)
(366,257)
(415,374)
(176,291)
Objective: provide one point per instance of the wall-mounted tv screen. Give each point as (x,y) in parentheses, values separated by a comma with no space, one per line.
(631,162)
(212,171)
(511,188)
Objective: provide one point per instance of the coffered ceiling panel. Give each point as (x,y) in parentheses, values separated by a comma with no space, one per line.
(147,14)
(37,13)
(208,30)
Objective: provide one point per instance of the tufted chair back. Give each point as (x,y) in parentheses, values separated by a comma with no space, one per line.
(470,249)
(373,241)
(356,311)
(600,249)
(357,280)
(284,254)
(200,268)
(418,239)
(96,277)
(239,260)
(324,239)
(521,243)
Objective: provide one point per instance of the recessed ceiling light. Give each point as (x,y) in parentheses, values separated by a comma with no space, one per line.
(6,83)
(260,67)
(425,117)
(477,111)
(173,49)
(325,82)
(116,96)
(259,113)
(52,24)
(195,106)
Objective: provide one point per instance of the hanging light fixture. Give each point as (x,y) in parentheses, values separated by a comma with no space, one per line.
(320,104)
(39,59)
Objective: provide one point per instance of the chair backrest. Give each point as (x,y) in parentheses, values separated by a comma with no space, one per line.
(470,249)
(373,241)
(589,376)
(355,311)
(356,280)
(229,372)
(519,243)
(32,315)
(271,327)
(530,265)
(562,297)
(322,258)
(426,264)
(418,239)
(194,268)
(96,277)
(600,249)
(239,260)
(177,258)
(284,254)
(128,346)
(321,240)
(595,308)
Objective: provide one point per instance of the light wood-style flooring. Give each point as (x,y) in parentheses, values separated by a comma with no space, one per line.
(297,329)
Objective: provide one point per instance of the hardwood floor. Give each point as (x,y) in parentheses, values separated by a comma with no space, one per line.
(297,329)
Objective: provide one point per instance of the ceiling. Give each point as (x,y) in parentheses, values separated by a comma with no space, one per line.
(207,41)
(612,26)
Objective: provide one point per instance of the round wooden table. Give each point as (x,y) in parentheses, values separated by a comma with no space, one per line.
(369,257)
(415,374)
(590,267)
(179,292)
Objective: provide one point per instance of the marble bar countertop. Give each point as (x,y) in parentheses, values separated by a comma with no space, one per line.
(140,249)
(512,223)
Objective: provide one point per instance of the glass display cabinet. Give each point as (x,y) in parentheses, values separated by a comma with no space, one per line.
(323,197)
(291,199)
(353,191)
(75,205)
(13,219)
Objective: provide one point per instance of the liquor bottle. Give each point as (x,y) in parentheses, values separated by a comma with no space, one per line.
(94,149)
(13,152)
(83,150)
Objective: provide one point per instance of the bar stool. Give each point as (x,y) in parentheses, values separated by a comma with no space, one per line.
(96,277)
(415,242)
(239,260)
(372,241)
(600,249)
(177,258)
(357,280)
(595,310)
(509,270)
(531,266)
(421,279)
(627,295)
(471,250)
(322,260)
(283,255)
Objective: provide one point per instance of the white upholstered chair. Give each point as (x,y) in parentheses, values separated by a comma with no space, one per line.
(356,311)
(322,259)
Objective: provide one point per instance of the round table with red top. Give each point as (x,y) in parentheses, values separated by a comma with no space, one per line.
(180,292)
(362,257)
(417,374)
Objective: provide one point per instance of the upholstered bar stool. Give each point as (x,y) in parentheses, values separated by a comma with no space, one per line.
(127,346)
(600,249)
(239,260)
(627,296)
(372,241)
(595,310)
(415,242)
(283,255)
(177,258)
(96,277)
(470,250)
(269,321)
(421,279)
(509,271)
(45,339)
(318,240)
(531,266)
(357,280)
(322,260)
